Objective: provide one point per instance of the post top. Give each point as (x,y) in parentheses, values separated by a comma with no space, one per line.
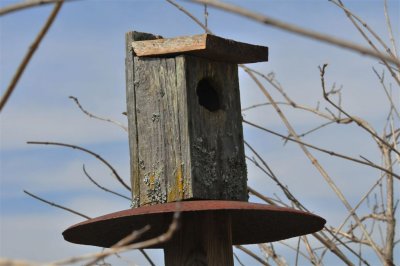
(203,45)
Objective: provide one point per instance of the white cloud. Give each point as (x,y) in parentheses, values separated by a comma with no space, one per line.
(50,123)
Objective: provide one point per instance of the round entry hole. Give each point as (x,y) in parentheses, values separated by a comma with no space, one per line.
(207,95)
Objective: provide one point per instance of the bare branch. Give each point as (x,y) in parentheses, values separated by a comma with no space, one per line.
(352,18)
(310,251)
(151,242)
(87,151)
(284,188)
(190,15)
(144,253)
(389,214)
(29,54)
(237,259)
(382,81)
(123,242)
(260,196)
(389,27)
(15,262)
(296,249)
(206,17)
(373,165)
(270,253)
(253,255)
(56,205)
(103,188)
(358,121)
(97,117)
(128,239)
(298,30)
(26,4)
(317,165)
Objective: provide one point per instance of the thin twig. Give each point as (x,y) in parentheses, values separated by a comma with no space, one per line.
(16,262)
(284,188)
(352,16)
(205,17)
(87,151)
(318,166)
(144,253)
(128,239)
(389,27)
(332,153)
(323,238)
(270,253)
(389,214)
(382,81)
(97,117)
(56,205)
(151,242)
(121,243)
(26,4)
(298,252)
(29,54)
(253,255)
(358,121)
(260,196)
(103,188)
(310,251)
(298,30)
(237,259)
(190,15)
(297,106)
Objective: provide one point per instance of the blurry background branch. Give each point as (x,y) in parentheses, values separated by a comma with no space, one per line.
(6,95)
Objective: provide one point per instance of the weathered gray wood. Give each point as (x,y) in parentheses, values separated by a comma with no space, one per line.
(162,130)
(216,137)
(202,239)
(204,45)
(131,111)
(185,129)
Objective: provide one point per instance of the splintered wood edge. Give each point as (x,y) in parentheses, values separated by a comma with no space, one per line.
(203,45)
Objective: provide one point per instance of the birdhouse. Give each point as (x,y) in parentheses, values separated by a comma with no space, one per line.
(186,145)
(184,115)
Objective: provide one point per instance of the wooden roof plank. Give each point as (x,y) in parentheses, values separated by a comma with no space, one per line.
(204,45)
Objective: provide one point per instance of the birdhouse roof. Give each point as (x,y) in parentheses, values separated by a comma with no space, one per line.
(203,45)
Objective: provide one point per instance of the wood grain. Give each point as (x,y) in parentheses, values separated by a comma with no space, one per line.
(203,239)
(204,45)
(131,110)
(181,147)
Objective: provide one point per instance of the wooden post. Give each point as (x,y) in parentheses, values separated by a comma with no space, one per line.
(203,239)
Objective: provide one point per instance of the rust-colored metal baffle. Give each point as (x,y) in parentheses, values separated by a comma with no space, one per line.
(251,223)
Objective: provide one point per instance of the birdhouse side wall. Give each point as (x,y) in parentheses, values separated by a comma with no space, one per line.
(215,126)
(162,155)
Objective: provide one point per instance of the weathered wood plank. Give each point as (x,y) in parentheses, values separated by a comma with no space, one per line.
(162,130)
(203,239)
(131,109)
(216,135)
(204,45)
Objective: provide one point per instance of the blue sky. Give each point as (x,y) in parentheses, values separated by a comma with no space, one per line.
(83,55)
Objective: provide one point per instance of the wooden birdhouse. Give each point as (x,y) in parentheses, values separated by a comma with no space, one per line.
(186,144)
(185,122)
